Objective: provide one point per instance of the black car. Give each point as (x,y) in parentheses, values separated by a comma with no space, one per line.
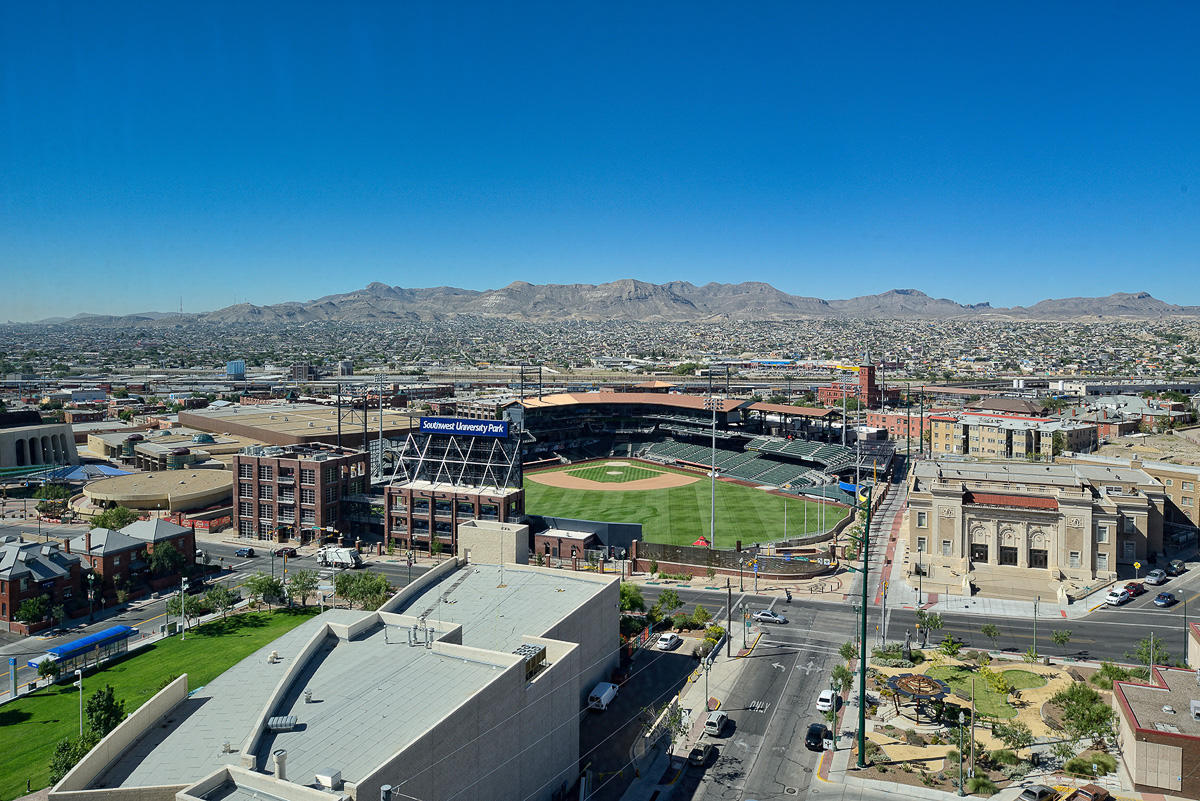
(815,739)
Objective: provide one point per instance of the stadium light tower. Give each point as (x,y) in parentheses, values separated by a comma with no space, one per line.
(712,403)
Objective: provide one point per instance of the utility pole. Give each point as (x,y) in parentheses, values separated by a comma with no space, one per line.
(908,425)
(1036,602)
(922,426)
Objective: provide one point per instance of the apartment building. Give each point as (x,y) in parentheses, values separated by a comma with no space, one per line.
(293,491)
(1008,436)
(422,512)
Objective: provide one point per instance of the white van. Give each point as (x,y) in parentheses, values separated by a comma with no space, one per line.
(602,696)
(715,723)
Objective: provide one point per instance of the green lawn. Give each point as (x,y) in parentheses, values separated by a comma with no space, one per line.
(30,726)
(987,702)
(681,514)
(611,474)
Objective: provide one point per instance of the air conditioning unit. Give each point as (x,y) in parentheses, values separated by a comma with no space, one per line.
(1196,711)
(329,779)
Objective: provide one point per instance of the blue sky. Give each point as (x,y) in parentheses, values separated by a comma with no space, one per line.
(263,152)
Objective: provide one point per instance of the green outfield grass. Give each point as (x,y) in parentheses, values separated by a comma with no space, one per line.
(30,726)
(678,516)
(611,474)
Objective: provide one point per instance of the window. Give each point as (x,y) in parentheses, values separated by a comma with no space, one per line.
(1102,561)
(331,514)
(287,494)
(245,491)
(266,492)
(24,584)
(1130,525)
(947,548)
(1128,549)
(331,493)
(308,516)
(265,530)
(245,470)
(1170,482)
(116,561)
(1102,534)
(287,514)
(266,472)
(1187,486)
(330,474)
(245,528)
(1073,559)
(920,545)
(308,496)
(922,519)
(308,476)
(266,511)
(1187,500)
(245,509)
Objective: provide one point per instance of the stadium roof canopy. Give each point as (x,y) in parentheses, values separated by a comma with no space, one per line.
(695,402)
(796,411)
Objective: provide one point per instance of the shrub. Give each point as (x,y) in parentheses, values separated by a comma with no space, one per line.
(1109,673)
(911,737)
(714,633)
(894,663)
(1095,763)
(682,621)
(653,566)
(927,780)
(1016,772)
(1003,756)
(982,785)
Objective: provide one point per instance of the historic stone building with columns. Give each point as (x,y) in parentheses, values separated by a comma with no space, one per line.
(1029,530)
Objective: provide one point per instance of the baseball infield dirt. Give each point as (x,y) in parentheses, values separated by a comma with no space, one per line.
(565,480)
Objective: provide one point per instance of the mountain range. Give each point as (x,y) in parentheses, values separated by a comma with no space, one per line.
(630,300)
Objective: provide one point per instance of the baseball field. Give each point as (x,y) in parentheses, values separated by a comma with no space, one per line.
(672,505)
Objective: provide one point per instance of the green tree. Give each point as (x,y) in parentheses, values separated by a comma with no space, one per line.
(220,598)
(191,605)
(115,518)
(631,598)
(848,651)
(33,610)
(302,584)
(263,587)
(1085,715)
(669,601)
(843,677)
(949,646)
(1150,651)
(48,668)
(67,753)
(59,613)
(52,492)
(700,617)
(991,632)
(103,711)
(1031,656)
(1015,734)
(1058,443)
(1061,637)
(930,623)
(165,559)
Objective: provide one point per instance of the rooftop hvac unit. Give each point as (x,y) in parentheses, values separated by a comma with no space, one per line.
(329,779)
(535,659)
(1196,711)
(281,723)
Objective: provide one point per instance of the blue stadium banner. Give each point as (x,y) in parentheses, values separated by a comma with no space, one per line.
(464,427)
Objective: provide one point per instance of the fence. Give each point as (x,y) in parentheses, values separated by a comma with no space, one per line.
(693,558)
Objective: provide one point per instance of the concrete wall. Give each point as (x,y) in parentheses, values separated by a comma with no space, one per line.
(596,626)
(73,785)
(512,739)
(490,543)
(417,587)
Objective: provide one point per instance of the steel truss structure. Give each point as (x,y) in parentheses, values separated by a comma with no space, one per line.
(458,460)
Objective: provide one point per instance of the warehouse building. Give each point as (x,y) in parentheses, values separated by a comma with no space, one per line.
(469,683)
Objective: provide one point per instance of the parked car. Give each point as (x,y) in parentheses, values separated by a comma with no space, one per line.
(826,701)
(767,616)
(1164,599)
(1089,792)
(814,740)
(244,552)
(1156,577)
(1176,567)
(1117,597)
(699,755)
(1134,589)
(288,552)
(669,641)
(1037,792)
(714,724)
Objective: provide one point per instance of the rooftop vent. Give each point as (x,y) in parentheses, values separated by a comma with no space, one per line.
(1196,711)
(281,723)
(1170,710)
(329,779)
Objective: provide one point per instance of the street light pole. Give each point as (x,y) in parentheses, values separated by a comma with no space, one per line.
(712,403)
(862,651)
(79,684)
(961,721)
(1037,601)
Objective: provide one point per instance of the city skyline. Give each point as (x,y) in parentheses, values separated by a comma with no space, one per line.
(211,155)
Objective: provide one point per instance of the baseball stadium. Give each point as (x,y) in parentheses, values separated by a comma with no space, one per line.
(645,458)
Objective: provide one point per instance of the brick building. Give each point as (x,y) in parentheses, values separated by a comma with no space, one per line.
(32,569)
(120,556)
(865,389)
(292,491)
(1158,731)
(419,510)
